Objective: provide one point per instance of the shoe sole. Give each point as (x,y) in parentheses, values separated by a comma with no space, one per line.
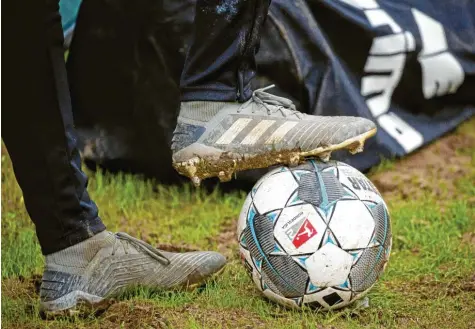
(74,303)
(80,303)
(224,164)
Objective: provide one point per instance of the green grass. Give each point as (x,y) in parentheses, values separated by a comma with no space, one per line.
(429,282)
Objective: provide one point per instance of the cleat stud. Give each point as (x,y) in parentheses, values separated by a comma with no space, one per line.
(325,156)
(294,160)
(357,148)
(225,176)
(196,181)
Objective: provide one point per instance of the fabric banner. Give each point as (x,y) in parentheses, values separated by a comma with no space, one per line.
(407,65)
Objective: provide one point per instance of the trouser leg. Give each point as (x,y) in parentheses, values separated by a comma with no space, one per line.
(38,126)
(220,63)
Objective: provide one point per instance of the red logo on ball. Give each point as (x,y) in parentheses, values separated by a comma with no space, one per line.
(305,233)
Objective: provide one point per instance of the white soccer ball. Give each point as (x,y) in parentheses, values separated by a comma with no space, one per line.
(318,235)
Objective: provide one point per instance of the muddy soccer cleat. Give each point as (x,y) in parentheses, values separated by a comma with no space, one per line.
(90,273)
(219,138)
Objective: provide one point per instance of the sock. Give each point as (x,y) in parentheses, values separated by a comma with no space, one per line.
(77,257)
(201,111)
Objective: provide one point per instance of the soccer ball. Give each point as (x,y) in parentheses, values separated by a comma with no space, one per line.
(318,235)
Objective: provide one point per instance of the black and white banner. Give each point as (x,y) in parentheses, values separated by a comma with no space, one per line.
(407,65)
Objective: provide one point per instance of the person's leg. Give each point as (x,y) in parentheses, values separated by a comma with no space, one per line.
(220,63)
(38,127)
(84,263)
(217,134)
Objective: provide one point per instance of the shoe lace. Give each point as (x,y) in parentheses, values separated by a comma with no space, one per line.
(123,239)
(273,103)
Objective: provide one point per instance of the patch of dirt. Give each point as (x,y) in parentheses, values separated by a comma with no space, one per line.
(214,318)
(442,162)
(405,322)
(227,240)
(146,314)
(133,314)
(429,288)
(469,285)
(20,287)
(469,238)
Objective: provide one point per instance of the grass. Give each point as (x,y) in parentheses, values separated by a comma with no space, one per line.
(429,282)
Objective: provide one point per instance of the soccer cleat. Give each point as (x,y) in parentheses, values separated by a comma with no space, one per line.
(91,272)
(216,139)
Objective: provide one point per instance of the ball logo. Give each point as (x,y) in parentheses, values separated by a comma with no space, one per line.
(301,232)
(362,183)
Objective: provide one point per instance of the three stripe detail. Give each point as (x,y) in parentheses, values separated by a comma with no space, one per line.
(257,132)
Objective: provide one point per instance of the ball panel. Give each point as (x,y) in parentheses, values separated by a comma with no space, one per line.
(274,192)
(246,260)
(263,178)
(252,246)
(263,231)
(299,229)
(307,166)
(335,299)
(332,170)
(242,241)
(287,302)
(352,224)
(328,299)
(329,266)
(295,200)
(315,305)
(278,249)
(348,193)
(321,166)
(267,283)
(311,288)
(286,275)
(358,183)
(299,173)
(329,237)
(333,187)
(382,227)
(257,279)
(309,189)
(368,268)
(242,221)
(356,255)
